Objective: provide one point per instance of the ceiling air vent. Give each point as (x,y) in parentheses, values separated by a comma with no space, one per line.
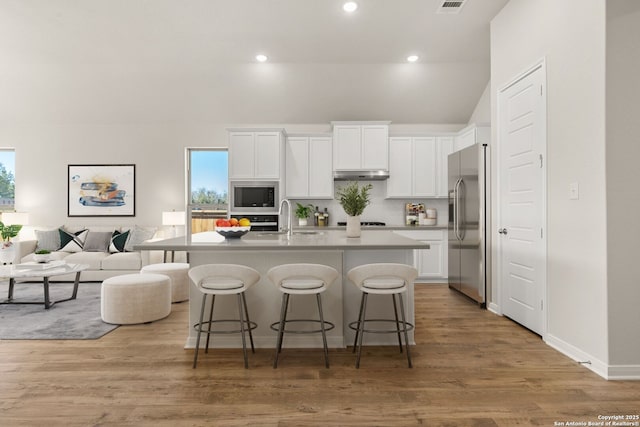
(451,6)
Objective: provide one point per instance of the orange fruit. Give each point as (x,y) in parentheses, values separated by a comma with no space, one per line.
(233,222)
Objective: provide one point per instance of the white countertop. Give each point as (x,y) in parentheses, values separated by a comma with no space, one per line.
(325,239)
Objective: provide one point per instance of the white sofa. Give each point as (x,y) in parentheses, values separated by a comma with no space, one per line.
(102,264)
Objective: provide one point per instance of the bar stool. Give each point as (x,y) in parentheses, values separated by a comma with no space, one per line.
(382,279)
(224,279)
(301,279)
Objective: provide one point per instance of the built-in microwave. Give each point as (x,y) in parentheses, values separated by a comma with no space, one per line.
(254,196)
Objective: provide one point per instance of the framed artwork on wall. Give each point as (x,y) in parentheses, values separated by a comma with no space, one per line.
(101,190)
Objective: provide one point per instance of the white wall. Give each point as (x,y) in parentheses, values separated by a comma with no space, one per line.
(482,113)
(623,204)
(158,151)
(570,35)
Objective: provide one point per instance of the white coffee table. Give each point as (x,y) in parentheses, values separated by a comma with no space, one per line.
(13,273)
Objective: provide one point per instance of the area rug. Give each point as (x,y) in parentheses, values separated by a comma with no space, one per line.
(77,319)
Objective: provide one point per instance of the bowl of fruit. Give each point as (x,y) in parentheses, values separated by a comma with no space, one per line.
(233,227)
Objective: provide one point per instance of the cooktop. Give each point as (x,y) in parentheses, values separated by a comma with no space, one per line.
(365,223)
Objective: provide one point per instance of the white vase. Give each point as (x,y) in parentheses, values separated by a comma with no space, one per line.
(7,253)
(353,226)
(302,222)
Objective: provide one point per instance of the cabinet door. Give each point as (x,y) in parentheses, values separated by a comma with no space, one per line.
(241,155)
(431,261)
(465,139)
(347,147)
(297,167)
(424,167)
(320,168)
(375,147)
(267,155)
(400,179)
(445,147)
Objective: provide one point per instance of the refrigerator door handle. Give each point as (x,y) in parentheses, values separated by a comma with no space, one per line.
(456,222)
(461,219)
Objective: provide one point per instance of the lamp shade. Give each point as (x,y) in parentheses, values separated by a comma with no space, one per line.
(10,218)
(173,218)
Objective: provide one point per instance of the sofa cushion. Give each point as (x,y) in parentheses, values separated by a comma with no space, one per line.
(94,259)
(139,235)
(72,241)
(48,239)
(122,261)
(118,241)
(97,241)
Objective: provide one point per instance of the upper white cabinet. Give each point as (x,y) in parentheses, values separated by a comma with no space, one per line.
(445,147)
(360,146)
(413,167)
(472,135)
(256,154)
(309,167)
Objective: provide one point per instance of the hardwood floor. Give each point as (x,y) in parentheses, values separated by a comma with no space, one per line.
(471,368)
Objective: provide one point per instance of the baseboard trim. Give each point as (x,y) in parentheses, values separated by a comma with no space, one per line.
(608,372)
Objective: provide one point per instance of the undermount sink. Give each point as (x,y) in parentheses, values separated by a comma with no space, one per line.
(307,232)
(275,234)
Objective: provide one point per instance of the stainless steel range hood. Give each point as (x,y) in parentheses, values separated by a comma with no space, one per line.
(361,175)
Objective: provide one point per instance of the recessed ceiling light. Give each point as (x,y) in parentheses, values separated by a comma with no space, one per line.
(350,6)
(412,58)
(261,58)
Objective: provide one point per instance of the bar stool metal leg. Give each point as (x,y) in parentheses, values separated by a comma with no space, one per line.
(244,341)
(195,356)
(324,334)
(355,341)
(246,315)
(406,335)
(283,308)
(213,301)
(361,328)
(395,311)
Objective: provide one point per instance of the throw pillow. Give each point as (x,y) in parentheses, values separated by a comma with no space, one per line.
(97,241)
(118,241)
(139,235)
(48,239)
(72,242)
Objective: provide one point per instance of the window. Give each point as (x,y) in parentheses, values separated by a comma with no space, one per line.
(7,179)
(208,187)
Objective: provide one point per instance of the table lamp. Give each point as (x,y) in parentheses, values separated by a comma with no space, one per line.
(172,219)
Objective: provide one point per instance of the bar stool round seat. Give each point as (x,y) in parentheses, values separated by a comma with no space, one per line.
(178,272)
(301,279)
(224,279)
(382,279)
(134,298)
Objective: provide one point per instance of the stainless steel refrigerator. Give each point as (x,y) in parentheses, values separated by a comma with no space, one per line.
(468,204)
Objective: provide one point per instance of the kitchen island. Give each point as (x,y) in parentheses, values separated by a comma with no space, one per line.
(263,250)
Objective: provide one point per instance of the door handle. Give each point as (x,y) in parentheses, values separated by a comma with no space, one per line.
(502,231)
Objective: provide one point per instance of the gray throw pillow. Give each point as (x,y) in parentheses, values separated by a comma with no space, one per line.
(48,239)
(97,241)
(139,235)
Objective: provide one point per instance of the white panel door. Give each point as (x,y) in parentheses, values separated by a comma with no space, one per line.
(297,167)
(425,170)
(320,168)
(522,142)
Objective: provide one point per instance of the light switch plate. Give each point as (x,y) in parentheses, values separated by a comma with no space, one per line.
(574,191)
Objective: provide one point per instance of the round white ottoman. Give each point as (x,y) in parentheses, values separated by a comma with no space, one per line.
(135,298)
(178,272)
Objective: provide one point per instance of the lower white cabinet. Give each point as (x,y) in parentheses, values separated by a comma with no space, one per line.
(431,263)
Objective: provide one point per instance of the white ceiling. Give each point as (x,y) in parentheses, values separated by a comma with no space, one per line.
(192,61)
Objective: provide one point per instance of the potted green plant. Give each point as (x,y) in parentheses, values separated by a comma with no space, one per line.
(353,199)
(42,255)
(302,213)
(8,232)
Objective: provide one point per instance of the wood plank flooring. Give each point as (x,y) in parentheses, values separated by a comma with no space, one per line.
(471,368)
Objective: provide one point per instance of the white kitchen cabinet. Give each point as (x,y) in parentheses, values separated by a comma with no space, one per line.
(413,167)
(432,263)
(472,134)
(445,147)
(309,168)
(360,146)
(255,154)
